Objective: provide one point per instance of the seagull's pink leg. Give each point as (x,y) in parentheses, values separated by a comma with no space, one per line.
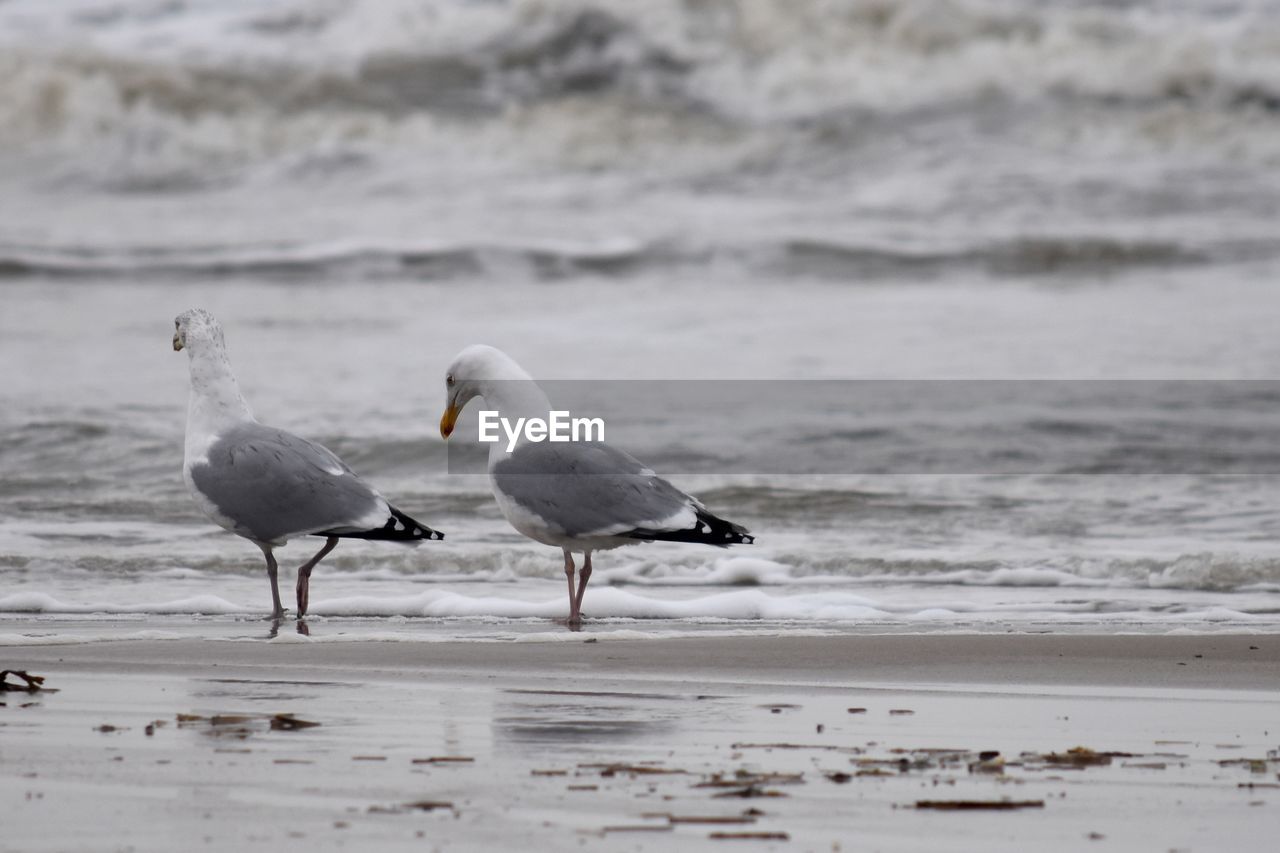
(272,570)
(583,576)
(568,573)
(304,574)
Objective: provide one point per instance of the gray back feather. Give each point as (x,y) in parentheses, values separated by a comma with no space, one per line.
(274,485)
(584,488)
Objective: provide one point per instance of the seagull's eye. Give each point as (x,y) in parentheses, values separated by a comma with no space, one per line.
(448,380)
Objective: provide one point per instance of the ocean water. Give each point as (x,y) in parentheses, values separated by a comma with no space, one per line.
(766,192)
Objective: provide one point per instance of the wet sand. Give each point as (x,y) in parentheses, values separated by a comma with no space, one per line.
(934,742)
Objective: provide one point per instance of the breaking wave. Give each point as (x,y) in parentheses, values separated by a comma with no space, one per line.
(802,258)
(224,81)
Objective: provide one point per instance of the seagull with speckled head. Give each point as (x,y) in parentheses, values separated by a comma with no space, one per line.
(266,484)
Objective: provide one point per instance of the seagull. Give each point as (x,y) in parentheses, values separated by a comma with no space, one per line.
(266,484)
(580,496)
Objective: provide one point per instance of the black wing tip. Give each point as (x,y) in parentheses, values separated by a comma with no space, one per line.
(707,530)
(399,528)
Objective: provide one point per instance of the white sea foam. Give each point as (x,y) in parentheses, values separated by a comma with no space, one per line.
(37,602)
(907,608)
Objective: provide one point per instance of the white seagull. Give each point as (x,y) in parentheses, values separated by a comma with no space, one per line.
(575,496)
(266,484)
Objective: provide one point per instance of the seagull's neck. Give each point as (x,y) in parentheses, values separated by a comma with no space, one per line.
(513,399)
(216,403)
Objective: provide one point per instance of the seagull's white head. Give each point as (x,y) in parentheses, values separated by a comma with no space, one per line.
(195,330)
(475,372)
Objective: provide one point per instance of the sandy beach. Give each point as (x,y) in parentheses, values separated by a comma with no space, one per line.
(897,742)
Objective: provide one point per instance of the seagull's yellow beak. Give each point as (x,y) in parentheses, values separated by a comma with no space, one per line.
(177,343)
(448,419)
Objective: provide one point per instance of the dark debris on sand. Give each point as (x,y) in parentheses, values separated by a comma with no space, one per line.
(633,770)
(289,723)
(415,806)
(239,725)
(744,777)
(979,805)
(1079,756)
(27,683)
(749,792)
(637,827)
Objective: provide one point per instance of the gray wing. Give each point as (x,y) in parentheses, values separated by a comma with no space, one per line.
(590,488)
(273,485)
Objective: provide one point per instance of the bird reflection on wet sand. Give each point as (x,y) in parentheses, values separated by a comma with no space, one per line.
(302,627)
